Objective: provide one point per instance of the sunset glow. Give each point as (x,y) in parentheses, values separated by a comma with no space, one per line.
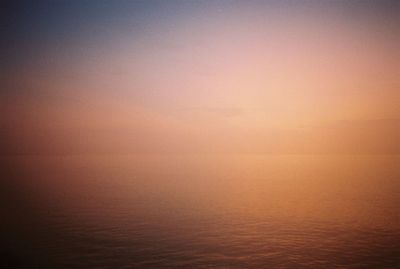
(222,78)
(200,134)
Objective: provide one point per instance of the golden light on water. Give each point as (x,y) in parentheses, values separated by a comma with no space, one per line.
(167,134)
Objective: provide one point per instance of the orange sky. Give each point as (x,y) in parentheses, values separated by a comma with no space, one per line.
(234,81)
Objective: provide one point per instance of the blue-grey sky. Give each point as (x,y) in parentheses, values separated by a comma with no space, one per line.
(179,76)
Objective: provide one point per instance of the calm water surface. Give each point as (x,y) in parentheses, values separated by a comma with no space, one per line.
(204,211)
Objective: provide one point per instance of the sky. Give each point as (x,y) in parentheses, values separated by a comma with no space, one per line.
(265,77)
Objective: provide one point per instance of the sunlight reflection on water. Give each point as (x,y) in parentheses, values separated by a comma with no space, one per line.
(216,211)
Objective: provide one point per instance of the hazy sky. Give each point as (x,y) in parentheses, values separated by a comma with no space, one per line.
(200,76)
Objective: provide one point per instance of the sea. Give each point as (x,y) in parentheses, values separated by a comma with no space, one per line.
(200,211)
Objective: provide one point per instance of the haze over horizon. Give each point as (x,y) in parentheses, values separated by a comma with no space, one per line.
(198,77)
(200,134)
